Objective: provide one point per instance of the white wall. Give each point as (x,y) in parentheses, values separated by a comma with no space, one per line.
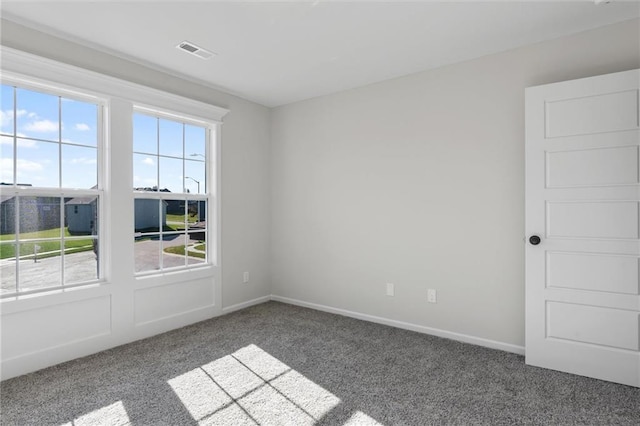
(419,181)
(42,331)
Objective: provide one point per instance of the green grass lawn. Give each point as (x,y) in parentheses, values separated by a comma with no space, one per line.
(180,250)
(180,218)
(166,228)
(8,250)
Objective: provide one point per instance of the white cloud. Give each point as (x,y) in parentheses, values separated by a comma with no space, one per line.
(83,160)
(142,182)
(28,166)
(22,143)
(41,126)
(26,143)
(6,118)
(148,161)
(25,167)
(6,169)
(82,127)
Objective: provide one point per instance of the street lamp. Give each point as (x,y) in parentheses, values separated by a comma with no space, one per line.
(196,181)
(198,205)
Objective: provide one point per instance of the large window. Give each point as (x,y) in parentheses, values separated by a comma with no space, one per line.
(50,189)
(171,191)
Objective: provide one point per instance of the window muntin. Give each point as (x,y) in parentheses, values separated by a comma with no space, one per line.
(50,152)
(170,159)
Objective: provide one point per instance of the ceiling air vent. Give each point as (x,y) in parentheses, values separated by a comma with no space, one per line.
(191,48)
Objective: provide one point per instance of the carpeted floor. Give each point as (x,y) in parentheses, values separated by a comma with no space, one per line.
(281,364)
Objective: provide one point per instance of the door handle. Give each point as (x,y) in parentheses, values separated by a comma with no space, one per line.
(534,240)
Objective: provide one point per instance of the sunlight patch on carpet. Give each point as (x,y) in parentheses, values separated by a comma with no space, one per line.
(251,386)
(361,419)
(113,414)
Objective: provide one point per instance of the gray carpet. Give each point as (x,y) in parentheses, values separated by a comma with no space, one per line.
(281,364)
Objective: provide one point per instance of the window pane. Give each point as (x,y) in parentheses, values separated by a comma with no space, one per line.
(195,182)
(81,216)
(176,215)
(39,217)
(79,167)
(80,122)
(38,163)
(145,134)
(7,268)
(38,115)
(40,265)
(7,250)
(147,253)
(196,248)
(194,142)
(80,260)
(7,217)
(145,172)
(149,215)
(197,213)
(180,165)
(171,138)
(6,110)
(171,175)
(173,247)
(6,127)
(6,159)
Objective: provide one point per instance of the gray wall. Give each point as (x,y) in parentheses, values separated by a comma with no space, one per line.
(245,161)
(419,181)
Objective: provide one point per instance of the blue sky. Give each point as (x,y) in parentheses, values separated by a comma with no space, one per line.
(41,120)
(157,143)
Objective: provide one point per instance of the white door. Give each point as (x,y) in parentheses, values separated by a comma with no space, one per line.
(582,201)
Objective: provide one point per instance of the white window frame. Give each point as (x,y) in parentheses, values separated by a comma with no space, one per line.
(120,97)
(210,170)
(15,190)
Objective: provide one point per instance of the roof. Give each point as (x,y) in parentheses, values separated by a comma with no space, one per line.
(81,200)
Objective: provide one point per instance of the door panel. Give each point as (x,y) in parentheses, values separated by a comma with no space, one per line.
(595,113)
(582,199)
(592,167)
(600,219)
(588,324)
(594,272)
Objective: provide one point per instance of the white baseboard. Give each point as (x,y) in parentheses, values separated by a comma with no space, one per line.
(246,304)
(493,344)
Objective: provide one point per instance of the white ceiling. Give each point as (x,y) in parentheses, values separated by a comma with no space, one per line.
(275,53)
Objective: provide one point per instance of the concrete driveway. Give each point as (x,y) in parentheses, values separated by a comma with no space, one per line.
(147,253)
(82,266)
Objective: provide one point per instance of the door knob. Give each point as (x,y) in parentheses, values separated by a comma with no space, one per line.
(534,240)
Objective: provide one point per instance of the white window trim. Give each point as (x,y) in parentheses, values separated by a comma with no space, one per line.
(74,78)
(35,71)
(62,192)
(209,196)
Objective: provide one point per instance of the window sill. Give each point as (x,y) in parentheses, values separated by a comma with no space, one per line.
(167,277)
(21,303)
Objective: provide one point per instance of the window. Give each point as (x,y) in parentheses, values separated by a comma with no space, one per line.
(50,189)
(171,192)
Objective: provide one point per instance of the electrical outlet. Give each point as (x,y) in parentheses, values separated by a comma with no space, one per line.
(245,277)
(390,289)
(432,296)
